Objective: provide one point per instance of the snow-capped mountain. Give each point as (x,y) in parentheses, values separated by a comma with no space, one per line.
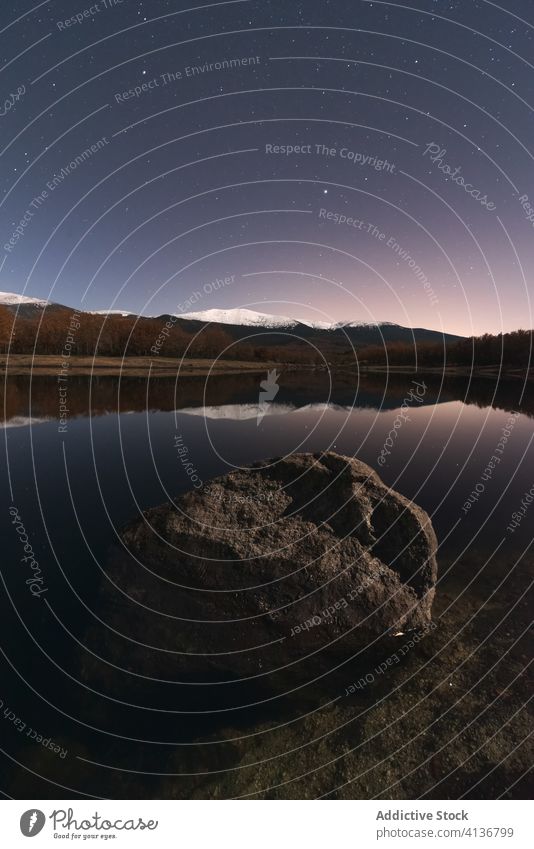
(243,317)
(23,306)
(251,318)
(238,323)
(10,299)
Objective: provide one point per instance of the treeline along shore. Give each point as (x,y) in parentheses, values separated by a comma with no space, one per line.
(117,342)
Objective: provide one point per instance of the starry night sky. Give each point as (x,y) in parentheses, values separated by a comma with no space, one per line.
(180,189)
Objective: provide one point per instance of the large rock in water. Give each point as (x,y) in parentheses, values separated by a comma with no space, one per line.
(293,567)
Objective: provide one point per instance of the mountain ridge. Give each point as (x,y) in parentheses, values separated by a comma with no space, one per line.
(239,322)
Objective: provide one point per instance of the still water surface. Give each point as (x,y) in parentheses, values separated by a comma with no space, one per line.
(74,491)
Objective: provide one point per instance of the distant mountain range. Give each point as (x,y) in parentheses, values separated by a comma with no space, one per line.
(241,324)
(276,329)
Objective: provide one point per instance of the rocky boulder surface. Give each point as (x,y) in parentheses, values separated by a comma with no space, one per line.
(280,571)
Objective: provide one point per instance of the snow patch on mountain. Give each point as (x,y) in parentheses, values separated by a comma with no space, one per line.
(244,317)
(111,312)
(251,318)
(10,299)
(24,421)
(340,325)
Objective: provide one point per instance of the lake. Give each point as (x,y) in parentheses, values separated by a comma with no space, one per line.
(75,483)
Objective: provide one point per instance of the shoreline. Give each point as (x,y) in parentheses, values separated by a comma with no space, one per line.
(53,364)
(490,372)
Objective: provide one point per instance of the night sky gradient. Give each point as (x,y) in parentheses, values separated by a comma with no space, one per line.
(181,189)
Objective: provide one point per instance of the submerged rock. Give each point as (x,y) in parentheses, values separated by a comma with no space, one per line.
(279,573)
